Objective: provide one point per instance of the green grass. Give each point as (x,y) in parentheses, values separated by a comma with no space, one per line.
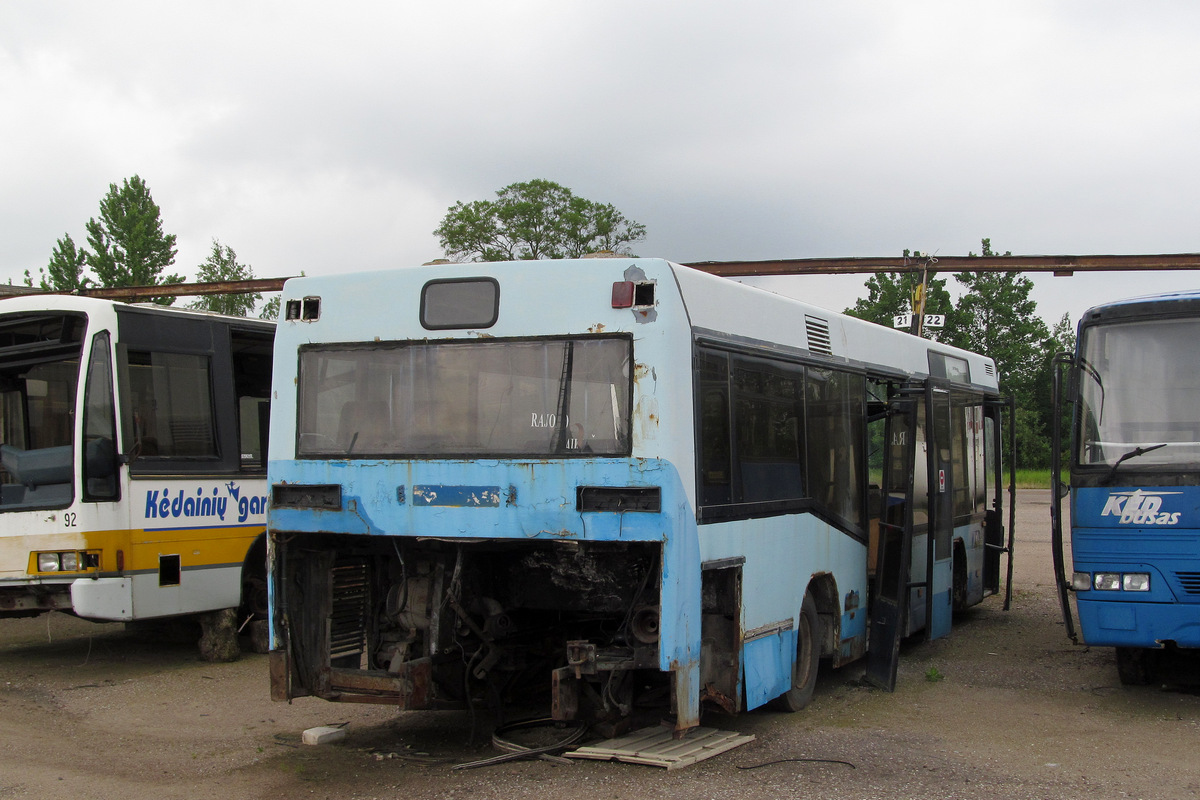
(1034,478)
(1026,478)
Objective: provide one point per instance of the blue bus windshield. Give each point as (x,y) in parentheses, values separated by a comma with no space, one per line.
(1138,387)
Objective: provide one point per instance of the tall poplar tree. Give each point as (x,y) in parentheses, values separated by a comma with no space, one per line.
(127,246)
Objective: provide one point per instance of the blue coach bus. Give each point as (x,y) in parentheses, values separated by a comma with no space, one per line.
(617,482)
(1134,398)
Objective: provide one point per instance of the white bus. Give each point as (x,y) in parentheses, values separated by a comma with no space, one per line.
(614,481)
(132,470)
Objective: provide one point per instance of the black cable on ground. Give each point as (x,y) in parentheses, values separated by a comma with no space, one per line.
(513,751)
(804,760)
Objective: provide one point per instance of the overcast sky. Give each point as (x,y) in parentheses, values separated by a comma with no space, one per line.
(323,137)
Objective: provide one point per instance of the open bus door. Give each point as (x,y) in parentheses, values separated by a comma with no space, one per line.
(939,554)
(993,525)
(889,610)
(1057,490)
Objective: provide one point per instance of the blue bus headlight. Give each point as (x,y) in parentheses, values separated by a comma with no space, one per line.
(1136,581)
(1107,581)
(1081,581)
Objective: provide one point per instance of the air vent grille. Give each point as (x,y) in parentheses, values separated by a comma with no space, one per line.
(1190,581)
(818,335)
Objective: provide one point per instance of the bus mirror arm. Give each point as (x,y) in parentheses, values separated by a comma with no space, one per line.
(131,456)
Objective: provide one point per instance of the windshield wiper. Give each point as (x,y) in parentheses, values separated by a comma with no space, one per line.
(1134,453)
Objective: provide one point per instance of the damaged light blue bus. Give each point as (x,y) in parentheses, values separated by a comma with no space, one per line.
(618,486)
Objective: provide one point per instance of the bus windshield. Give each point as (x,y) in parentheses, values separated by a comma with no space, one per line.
(39,372)
(1138,387)
(539,397)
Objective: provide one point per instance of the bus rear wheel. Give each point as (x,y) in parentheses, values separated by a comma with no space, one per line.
(808,659)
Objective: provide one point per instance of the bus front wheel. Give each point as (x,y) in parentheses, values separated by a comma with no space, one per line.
(1137,666)
(808,659)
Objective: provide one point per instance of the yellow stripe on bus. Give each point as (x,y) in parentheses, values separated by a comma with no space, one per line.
(196,547)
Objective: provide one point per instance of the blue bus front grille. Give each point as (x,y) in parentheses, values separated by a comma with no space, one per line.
(1189,581)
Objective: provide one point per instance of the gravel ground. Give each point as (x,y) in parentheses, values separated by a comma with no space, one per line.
(1004,707)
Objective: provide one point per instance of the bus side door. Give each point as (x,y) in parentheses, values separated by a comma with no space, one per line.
(939,556)
(890,605)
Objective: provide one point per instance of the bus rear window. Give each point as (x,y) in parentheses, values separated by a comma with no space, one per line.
(539,398)
(460,303)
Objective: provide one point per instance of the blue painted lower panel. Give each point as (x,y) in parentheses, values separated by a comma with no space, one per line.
(1114,623)
(768,667)
(854,624)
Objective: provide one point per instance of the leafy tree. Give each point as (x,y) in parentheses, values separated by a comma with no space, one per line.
(532,220)
(889,294)
(66,266)
(222,265)
(1061,339)
(64,273)
(127,243)
(995,316)
(270,309)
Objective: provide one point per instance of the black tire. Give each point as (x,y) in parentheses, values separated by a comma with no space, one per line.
(254,583)
(808,659)
(1137,666)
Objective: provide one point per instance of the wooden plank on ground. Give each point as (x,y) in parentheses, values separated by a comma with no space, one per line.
(658,747)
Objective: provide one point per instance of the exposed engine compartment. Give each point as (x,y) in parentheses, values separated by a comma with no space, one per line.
(435,623)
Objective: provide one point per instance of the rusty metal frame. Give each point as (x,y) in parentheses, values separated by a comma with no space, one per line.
(1062,265)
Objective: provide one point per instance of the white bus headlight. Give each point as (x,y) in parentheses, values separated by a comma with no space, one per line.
(1081,581)
(1136,581)
(1107,581)
(68,561)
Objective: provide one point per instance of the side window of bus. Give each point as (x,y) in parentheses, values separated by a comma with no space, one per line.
(836,439)
(251,354)
(100,425)
(172,405)
(768,412)
(716,487)
(750,447)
